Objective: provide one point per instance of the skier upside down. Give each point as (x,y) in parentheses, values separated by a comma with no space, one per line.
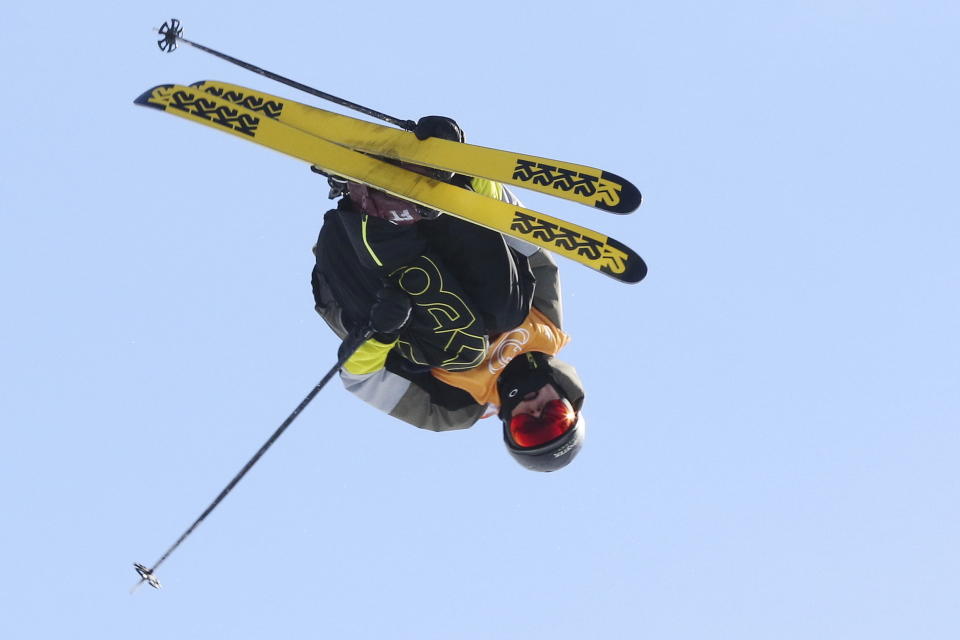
(466,322)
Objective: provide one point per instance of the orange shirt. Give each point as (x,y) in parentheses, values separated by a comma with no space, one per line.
(536,333)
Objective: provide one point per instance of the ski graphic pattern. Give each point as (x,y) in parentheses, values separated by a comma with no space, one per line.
(219,114)
(580,244)
(585,185)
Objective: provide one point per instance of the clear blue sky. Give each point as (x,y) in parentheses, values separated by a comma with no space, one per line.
(774,412)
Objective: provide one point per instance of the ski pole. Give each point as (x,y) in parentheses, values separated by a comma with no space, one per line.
(149,575)
(172,33)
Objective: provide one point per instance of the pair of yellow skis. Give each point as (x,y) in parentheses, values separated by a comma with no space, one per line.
(344,146)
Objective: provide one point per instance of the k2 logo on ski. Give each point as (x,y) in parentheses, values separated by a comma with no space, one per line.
(567,180)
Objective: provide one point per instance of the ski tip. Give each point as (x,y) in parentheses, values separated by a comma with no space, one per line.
(149,97)
(630,269)
(629,195)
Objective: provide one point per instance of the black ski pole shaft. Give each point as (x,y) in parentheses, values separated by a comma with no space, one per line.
(172,33)
(147,574)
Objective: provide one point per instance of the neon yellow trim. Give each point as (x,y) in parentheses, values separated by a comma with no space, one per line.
(367,244)
(369,357)
(487,188)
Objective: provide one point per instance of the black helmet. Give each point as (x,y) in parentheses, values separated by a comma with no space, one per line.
(529,372)
(555,454)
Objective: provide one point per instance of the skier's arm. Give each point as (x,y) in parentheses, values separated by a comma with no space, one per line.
(434,406)
(547,296)
(417,398)
(365,373)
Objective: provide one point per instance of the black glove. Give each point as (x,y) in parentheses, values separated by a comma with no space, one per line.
(438,127)
(389,314)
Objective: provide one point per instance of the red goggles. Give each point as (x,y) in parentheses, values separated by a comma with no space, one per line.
(556,418)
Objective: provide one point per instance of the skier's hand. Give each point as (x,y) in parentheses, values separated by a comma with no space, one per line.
(438,127)
(370,345)
(390,313)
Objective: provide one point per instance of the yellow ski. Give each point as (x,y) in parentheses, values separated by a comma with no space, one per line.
(577,183)
(582,245)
